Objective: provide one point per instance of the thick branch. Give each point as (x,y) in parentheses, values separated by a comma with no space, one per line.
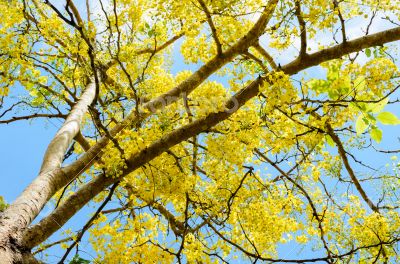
(82,141)
(266,55)
(75,12)
(337,51)
(57,147)
(303,30)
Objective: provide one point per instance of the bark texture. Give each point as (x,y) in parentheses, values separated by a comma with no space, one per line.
(31,201)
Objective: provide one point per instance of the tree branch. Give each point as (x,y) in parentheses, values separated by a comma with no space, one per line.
(28,117)
(346,163)
(212,26)
(303,30)
(266,55)
(340,50)
(89,223)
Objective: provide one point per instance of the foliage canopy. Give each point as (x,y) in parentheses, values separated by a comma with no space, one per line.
(206,131)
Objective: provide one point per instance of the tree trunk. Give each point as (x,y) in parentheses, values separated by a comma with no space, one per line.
(11,252)
(19,215)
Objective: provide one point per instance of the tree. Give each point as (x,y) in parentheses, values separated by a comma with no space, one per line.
(186,154)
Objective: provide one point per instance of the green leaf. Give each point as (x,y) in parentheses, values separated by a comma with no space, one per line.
(375,53)
(353,107)
(78,260)
(29,85)
(361,124)
(368,52)
(346,85)
(151,33)
(377,107)
(42,79)
(3,204)
(376,134)
(330,141)
(333,94)
(359,83)
(34,93)
(333,71)
(388,118)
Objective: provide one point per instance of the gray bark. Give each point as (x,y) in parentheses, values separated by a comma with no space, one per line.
(31,201)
